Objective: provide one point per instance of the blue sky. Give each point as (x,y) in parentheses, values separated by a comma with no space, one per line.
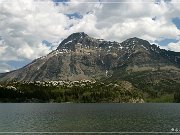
(166,41)
(33,28)
(18,64)
(176,21)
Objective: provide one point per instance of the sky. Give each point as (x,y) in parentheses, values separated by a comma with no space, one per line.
(30,29)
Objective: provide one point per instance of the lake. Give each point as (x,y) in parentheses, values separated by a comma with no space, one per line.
(89,118)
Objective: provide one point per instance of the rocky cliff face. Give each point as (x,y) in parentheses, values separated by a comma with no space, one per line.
(82,57)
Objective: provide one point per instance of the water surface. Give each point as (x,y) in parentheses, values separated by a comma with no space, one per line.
(47,117)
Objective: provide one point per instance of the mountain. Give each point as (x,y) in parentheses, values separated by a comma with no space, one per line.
(80,56)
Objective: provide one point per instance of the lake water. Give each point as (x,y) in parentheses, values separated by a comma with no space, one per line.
(33,117)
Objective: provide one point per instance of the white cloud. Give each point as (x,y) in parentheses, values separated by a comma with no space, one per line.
(24,24)
(174,46)
(126,20)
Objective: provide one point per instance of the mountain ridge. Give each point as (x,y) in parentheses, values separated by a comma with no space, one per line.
(80,56)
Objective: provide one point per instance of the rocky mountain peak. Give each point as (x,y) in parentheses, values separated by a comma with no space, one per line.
(70,42)
(77,36)
(135,41)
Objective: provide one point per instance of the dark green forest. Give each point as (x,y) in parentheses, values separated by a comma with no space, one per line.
(157,86)
(137,91)
(83,92)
